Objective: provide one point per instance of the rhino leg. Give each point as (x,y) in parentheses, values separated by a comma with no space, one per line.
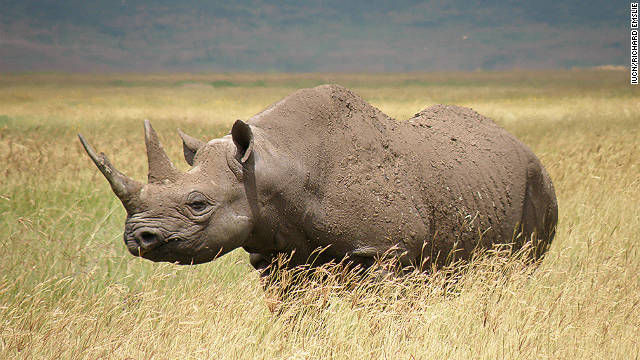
(261,263)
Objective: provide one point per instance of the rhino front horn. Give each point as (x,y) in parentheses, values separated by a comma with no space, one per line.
(160,167)
(124,187)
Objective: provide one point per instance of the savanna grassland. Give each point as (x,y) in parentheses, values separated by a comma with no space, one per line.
(69,289)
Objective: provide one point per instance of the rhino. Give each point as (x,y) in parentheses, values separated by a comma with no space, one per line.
(323,169)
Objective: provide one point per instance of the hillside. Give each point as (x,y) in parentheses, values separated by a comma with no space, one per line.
(255,35)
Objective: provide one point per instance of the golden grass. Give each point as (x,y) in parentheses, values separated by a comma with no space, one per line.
(69,289)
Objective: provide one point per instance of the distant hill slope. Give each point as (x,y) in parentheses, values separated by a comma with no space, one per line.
(254,35)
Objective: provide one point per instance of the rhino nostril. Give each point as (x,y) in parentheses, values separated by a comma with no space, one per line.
(148,239)
(147,236)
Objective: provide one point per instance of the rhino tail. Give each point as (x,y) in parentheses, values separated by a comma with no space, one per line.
(540,210)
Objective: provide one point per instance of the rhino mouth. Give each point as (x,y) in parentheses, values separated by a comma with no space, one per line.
(170,250)
(173,250)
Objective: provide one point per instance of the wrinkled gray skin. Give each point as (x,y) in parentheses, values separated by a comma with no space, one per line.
(324,169)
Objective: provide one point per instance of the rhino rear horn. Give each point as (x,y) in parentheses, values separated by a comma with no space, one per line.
(124,187)
(160,167)
(190,146)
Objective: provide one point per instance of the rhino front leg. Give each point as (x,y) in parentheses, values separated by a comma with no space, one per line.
(260,262)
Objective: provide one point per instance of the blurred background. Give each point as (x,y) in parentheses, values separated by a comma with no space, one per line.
(302,36)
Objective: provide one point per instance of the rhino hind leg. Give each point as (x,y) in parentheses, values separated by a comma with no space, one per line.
(540,210)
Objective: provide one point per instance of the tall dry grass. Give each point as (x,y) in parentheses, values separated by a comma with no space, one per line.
(68,288)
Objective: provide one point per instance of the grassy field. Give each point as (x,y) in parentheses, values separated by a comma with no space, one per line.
(69,289)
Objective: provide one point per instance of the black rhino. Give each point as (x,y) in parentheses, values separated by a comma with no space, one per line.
(323,169)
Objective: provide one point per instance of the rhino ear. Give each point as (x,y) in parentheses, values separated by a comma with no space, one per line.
(243,138)
(190,146)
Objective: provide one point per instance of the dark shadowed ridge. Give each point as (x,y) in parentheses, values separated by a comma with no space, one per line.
(330,35)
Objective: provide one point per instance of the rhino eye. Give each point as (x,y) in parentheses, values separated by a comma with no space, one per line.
(197,203)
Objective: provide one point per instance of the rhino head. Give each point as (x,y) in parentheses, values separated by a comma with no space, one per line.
(191,217)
